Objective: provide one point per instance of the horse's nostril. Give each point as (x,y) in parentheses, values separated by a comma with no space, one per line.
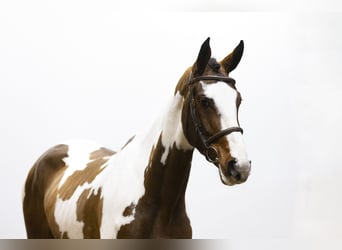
(231,170)
(231,164)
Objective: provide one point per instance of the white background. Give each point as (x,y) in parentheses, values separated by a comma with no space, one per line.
(77,69)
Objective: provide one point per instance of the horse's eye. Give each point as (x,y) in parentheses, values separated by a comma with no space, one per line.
(205,102)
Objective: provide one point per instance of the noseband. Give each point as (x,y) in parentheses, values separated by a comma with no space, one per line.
(210,151)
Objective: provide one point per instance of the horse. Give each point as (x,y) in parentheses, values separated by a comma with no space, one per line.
(81,189)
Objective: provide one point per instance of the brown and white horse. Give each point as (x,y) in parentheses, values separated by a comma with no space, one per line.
(83,190)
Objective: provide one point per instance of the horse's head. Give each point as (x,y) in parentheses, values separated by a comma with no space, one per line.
(210,113)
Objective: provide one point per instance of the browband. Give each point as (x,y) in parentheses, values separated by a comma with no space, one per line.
(228,80)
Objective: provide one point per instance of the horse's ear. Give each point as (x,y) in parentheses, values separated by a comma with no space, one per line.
(232,60)
(202,58)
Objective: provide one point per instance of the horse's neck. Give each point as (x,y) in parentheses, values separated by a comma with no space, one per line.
(167,172)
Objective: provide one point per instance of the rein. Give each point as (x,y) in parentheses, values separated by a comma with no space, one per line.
(210,151)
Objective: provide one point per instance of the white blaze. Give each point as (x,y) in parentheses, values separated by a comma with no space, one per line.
(225,100)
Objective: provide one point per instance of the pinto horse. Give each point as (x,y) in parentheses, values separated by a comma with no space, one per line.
(84,190)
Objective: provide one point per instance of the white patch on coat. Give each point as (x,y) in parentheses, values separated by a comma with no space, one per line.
(65,212)
(172,128)
(78,156)
(66,216)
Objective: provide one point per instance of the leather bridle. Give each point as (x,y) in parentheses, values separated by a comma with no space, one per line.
(210,151)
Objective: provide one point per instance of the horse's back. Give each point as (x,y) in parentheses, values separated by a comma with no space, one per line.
(55,176)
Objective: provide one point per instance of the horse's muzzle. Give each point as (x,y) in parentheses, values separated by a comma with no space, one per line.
(235,172)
